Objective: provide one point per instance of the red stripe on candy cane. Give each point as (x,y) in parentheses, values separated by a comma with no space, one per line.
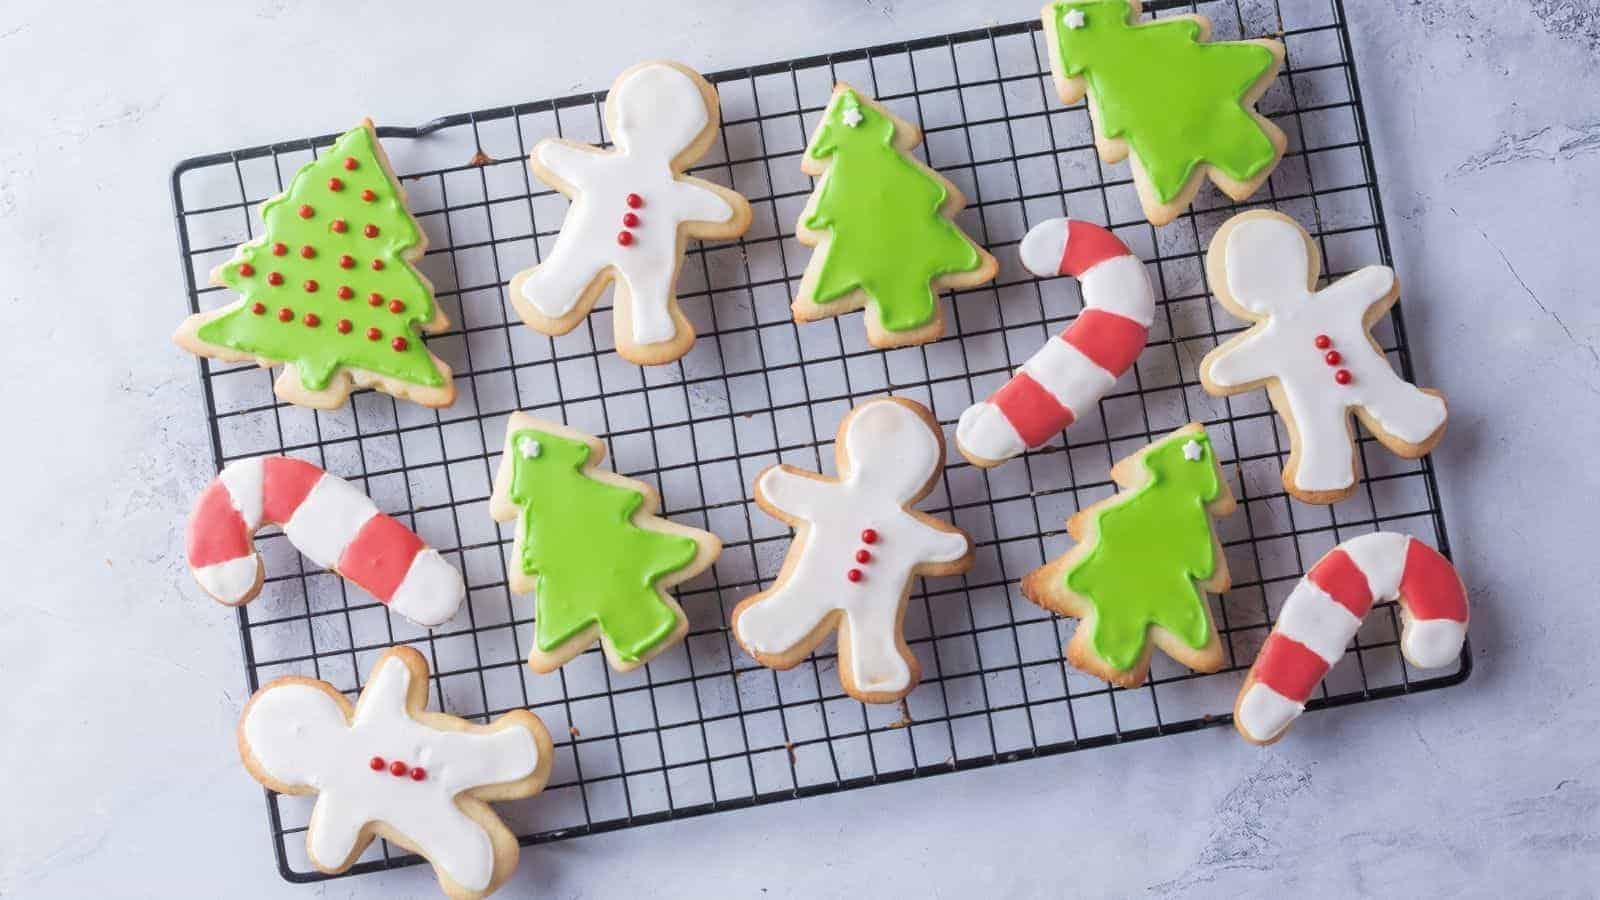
(1337,574)
(1289,667)
(1033,411)
(1113,342)
(1087,246)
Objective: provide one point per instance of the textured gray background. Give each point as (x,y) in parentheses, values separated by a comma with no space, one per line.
(119,689)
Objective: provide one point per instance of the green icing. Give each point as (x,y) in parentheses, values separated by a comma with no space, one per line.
(317,352)
(592,563)
(888,236)
(1178,102)
(1149,550)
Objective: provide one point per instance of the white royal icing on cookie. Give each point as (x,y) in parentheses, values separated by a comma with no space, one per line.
(892,453)
(1266,263)
(297,734)
(660,111)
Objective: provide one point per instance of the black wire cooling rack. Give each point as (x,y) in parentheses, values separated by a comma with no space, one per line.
(703,728)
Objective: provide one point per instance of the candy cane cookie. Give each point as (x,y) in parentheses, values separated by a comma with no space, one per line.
(327,519)
(1073,371)
(1325,610)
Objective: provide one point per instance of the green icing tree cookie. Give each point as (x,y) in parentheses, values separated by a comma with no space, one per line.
(1184,107)
(881,223)
(591,549)
(329,291)
(1144,561)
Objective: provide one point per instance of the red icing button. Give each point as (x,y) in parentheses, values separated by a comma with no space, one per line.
(312,320)
(306,211)
(635,201)
(345,292)
(347,261)
(258,308)
(311,285)
(373,334)
(377,265)
(246,269)
(378,765)
(630,219)
(340,226)
(1323,342)
(368,195)
(1342,376)
(869,536)
(335,184)
(343,326)
(419,773)
(280,248)
(399,344)
(853,574)
(1333,358)
(374,299)
(274,278)
(285,314)
(397,306)
(863,556)
(350,163)
(624,238)
(397,768)
(308,252)
(370,231)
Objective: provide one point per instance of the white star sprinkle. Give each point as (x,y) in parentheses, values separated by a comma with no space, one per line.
(1192,451)
(852,117)
(528,447)
(1073,19)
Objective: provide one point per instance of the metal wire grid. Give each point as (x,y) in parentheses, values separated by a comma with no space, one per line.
(702,728)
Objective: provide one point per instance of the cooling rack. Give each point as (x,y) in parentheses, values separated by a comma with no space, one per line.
(703,729)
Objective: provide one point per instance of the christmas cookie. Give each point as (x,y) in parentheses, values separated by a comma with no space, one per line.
(1144,562)
(1325,610)
(1312,351)
(330,291)
(327,519)
(1183,107)
(387,768)
(857,546)
(881,224)
(1071,373)
(591,549)
(633,211)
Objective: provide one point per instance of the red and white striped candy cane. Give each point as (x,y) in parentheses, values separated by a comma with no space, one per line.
(327,519)
(1072,372)
(1324,611)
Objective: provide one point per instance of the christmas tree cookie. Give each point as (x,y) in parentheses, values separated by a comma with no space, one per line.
(881,224)
(591,549)
(1183,107)
(330,292)
(1145,559)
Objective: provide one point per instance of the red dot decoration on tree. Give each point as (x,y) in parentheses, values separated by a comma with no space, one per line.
(346,292)
(274,278)
(625,238)
(370,231)
(347,261)
(1342,376)
(399,344)
(368,195)
(312,320)
(258,307)
(285,314)
(377,265)
(340,226)
(398,769)
(308,252)
(854,575)
(419,773)
(635,201)
(1322,341)
(378,764)
(335,184)
(374,299)
(343,326)
(246,269)
(280,248)
(350,164)
(306,211)
(397,305)
(311,285)
(373,334)
(1332,358)
(869,536)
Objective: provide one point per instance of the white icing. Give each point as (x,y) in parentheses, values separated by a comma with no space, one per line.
(431,592)
(892,453)
(1070,376)
(1043,247)
(1314,619)
(1264,713)
(1120,285)
(1381,556)
(298,736)
(985,432)
(328,519)
(1266,264)
(659,112)
(244,481)
(231,582)
(1432,643)
(1073,19)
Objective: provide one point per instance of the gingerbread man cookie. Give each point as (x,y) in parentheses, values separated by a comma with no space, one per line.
(1313,352)
(387,768)
(858,544)
(633,212)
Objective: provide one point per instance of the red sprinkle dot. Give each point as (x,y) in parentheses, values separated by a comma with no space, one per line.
(419,773)
(869,536)
(370,231)
(399,344)
(350,163)
(285,314)
(397,768)
(1332,358)
(377,265)
(630,219)
(863,556)
(343,326)
(347,262)
(246,269)
(1342,376)
(340,226)
(258,308)
(373,334)
(274,278)
(625,238)
(312,320)
(378,765)
(280,248)
(311,285)
(306,211)
(374,299)
(397,306)
(635,201)
(308,252)
(335,184)
(346,292)
(853,574)
(368,195)
(1323,342)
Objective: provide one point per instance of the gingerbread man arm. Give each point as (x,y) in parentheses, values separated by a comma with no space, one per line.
(1245,359)
(1359,291)
(697,201)
(567,160)
(947,546)
(788,491)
